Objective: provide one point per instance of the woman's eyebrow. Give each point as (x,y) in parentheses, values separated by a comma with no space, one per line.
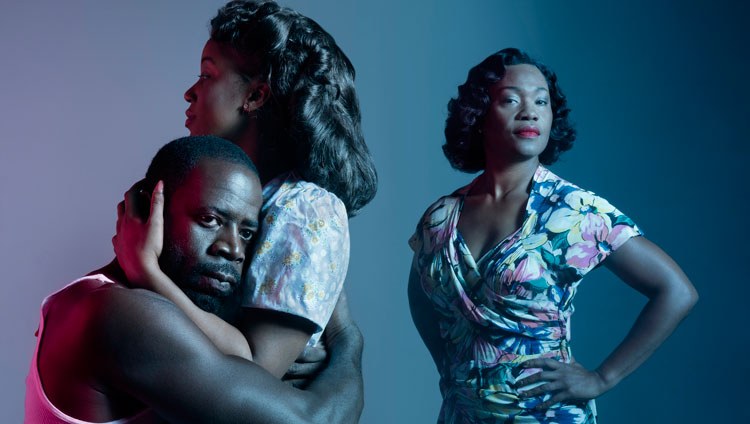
(514,88)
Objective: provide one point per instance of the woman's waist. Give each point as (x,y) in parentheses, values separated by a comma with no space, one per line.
(494,385)
(482,369)
(464,345)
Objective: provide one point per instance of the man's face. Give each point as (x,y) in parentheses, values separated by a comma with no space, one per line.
(208,223)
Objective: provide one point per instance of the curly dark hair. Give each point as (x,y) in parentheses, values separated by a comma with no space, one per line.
(311,123)
(464,145)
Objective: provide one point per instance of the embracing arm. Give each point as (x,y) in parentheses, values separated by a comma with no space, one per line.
(342,379)
(147,348)
(227,338)
(649,270)
(138,245)
(296,275)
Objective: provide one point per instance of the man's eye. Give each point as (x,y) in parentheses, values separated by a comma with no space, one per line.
(509,100)
(246,235)
(203,76)
(542,102)
(208,220)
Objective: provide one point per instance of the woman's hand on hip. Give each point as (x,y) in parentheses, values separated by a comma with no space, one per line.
(564,382)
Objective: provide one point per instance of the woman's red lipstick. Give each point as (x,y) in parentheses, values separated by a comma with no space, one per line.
(527,132)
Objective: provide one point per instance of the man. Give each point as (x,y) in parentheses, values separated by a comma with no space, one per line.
(107,351)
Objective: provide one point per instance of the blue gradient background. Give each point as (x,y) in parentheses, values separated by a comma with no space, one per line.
(90,89)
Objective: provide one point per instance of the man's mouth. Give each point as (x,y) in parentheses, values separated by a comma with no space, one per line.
(216,284)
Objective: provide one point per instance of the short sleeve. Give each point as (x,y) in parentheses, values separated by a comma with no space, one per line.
(430,237)
(595,229)
(432,229)
(301,254)
(415,241)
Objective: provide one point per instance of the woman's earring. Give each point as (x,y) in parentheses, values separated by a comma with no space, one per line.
(252,114)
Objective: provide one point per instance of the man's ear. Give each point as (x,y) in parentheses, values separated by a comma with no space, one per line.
(143,204)
(257,95)
(141,198)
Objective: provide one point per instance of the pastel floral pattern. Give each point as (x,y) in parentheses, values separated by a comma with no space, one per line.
(515,302)
(301,252)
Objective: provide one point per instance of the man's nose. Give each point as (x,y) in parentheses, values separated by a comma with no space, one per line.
(230,246)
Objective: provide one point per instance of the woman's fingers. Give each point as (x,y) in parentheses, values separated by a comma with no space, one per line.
(564,382)
(130,203)
(136,199)
(549,387)
(557,398)
(534,378)
(140,226)
(543,363)
(156,216)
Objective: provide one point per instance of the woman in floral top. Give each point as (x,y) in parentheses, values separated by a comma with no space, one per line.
(498,262)
(276,84)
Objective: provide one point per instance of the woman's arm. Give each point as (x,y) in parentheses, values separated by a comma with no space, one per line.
(276,338)
(649,270)
(138,245)
(425,318)
(296,274)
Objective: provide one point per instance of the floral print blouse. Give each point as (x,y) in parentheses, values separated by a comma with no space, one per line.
(515,302)
(301,252)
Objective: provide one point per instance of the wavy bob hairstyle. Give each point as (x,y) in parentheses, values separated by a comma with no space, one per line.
(464,144)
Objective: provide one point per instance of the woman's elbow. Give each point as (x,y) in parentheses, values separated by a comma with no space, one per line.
(684,297)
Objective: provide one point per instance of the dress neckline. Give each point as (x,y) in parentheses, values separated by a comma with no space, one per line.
(500,245)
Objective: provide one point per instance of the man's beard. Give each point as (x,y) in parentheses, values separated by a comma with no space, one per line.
(187,277)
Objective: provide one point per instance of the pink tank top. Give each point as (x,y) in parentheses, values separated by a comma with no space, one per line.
(39,409)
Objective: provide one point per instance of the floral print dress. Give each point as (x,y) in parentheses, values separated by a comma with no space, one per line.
(301,252)
(515,302)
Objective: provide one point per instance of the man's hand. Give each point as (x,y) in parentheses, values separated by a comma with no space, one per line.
(309,364)
(340,382)
(341,321)
(340,329)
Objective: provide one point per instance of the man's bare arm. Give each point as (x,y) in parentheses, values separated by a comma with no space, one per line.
(148,348)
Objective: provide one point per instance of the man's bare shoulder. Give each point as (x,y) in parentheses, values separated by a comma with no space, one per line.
(99,315)
(122,330)
(102,337)
(100,299)
(118,311)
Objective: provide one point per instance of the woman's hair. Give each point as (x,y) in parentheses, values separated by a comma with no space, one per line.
(311,122)
(464,146)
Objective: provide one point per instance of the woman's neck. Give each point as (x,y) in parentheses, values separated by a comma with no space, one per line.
(270,163)
(249,142)
(499,181)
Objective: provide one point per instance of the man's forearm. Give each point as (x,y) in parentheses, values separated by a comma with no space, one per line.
(339,389)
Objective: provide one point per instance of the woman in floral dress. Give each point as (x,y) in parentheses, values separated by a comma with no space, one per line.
(498,262)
